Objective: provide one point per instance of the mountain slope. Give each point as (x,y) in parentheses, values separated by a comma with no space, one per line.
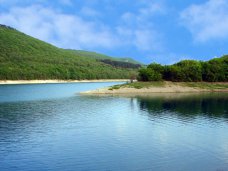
(24,57)
(99,56)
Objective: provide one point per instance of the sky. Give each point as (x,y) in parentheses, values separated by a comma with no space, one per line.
(162,31)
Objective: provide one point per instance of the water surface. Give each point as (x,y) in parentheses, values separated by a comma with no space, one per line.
(50,127)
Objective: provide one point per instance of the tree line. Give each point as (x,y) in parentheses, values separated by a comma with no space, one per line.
(120,64)
(215,70)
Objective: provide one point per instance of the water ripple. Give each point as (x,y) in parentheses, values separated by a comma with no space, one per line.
(114,133)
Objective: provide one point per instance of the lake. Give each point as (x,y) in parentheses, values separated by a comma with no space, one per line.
(52,127)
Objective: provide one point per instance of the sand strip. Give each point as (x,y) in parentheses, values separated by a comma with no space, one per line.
(58,81)
(165,89)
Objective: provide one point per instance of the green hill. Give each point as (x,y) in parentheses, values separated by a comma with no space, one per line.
(99,56)
(24,57)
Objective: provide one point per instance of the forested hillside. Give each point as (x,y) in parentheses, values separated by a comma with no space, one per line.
(24,57)
(99,56)
(214,70)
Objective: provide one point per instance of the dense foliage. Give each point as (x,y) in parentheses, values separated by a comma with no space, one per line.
(215,70)
(24,57)
(120,64)
(99,56)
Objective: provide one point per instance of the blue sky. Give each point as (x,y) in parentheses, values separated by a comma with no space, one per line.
(162,31)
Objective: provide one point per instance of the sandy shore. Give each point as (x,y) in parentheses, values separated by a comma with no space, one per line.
(58,81)
(168,88)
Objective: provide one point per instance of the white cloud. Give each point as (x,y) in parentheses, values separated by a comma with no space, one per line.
(73,31)
(66,2)
(146,39)
(145,14)
(90,12)
(19,2)
(208,21)
(67,31)
(141,38)
(152,9)
(138,28)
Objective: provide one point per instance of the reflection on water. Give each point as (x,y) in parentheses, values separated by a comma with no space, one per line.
(72,132)
(208,105)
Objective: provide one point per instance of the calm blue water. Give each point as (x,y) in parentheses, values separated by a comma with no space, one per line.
(51,127)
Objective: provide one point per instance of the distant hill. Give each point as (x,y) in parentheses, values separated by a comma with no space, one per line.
(100,56)
(24,57)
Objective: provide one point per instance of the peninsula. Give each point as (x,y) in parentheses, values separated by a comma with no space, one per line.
(182,77)
(160,87)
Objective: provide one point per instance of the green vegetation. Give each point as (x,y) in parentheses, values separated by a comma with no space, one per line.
(215,70)
(201,85)
(25,58)
(115,87)
(99,56)
(206,85)
(121,64)
(139,85)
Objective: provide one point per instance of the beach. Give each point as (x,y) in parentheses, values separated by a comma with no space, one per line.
(2,82)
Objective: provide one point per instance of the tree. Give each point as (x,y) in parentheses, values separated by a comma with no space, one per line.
(191,70)
(152,73)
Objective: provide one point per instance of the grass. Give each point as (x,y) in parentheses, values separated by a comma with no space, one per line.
(206,85)
(202,85)
(139,85)
(115,87)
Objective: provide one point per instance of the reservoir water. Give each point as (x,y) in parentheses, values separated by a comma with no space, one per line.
(52,127)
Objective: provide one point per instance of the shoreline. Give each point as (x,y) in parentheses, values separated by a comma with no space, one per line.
(6,82)
(167,88)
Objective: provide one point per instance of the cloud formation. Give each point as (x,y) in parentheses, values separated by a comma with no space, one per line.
(76,32)
(147,30)
(138,28)
(64,30)
(208,21)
